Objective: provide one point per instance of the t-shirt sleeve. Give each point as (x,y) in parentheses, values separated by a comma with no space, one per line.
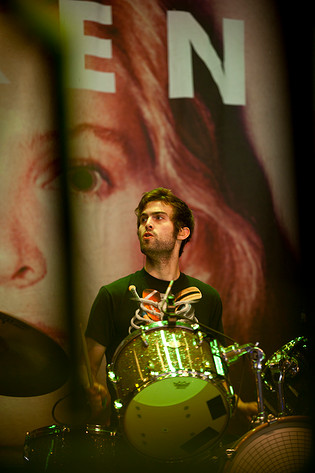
(100,326)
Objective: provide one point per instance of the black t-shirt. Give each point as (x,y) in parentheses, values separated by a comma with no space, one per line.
(112,312)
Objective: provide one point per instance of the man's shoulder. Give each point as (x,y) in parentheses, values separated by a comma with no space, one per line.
(122,283)
(204,287)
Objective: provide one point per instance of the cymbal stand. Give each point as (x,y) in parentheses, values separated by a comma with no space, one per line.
(233,353)
(277,369)
(257,356)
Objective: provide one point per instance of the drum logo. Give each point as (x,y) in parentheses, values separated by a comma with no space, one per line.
(181,384)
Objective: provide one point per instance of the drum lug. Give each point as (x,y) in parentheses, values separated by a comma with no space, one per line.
(230,452)
(111,374)
(27,449)
(271,419)
(118,404)
(200,337)
(144,338)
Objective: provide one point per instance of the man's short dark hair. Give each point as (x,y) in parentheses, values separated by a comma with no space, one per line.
(182,215)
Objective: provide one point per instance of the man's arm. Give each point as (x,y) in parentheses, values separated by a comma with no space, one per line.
(98,394)
(96,352)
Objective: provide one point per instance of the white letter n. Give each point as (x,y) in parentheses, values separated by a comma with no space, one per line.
(185,33)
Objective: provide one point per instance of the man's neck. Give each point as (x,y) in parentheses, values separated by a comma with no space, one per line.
(164,270)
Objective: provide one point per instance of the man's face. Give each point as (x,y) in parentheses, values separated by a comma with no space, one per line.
(156,231)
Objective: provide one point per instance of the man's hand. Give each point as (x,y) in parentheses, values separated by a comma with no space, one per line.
(248,409)
(100,403)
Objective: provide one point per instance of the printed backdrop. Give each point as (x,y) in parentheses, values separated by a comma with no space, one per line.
(192,96)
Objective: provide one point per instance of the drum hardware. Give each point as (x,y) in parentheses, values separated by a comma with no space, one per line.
(286,375)
(31,363)
(169,312)
(257,357)
(277,374)
(144,338)
(232,353)
(200,335)
(118,404)
(112,377)
(283,442)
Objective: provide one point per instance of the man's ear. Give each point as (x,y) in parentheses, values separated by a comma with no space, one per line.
(183,233)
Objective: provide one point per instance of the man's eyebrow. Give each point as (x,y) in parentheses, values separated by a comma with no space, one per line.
(157,212)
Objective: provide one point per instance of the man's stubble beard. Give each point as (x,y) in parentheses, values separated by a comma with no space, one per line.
(161,250)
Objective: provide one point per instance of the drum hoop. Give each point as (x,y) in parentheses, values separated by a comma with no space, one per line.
(55,429)
(48,429)
(148,328)
(95,428)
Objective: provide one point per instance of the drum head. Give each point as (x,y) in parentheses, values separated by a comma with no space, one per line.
(156,423)
(283,447)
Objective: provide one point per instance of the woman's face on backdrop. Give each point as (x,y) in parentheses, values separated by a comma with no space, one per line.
(107,150)
(111,171)
(30,237)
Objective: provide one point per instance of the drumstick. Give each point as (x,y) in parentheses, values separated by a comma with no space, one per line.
(86,358)
(168,290)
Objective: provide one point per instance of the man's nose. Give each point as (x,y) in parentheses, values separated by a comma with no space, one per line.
(149,223)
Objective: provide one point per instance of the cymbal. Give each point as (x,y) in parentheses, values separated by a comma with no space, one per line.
(31,363)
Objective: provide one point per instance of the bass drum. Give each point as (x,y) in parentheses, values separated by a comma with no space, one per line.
(281,446)
(61,449)
(172,384)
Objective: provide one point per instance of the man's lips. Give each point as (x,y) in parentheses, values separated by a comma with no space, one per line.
(147,235)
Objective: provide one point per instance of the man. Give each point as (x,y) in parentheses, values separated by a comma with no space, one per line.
(165,225)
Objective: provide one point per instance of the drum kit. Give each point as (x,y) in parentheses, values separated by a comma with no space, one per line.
(174,402)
